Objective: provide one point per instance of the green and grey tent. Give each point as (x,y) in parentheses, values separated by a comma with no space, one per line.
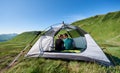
(44,47)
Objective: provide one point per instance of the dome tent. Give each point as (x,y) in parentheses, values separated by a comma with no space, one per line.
(90,50)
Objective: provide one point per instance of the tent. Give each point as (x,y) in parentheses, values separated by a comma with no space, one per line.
(44,47)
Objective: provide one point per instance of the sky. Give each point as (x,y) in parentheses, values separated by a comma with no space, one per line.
(17,16)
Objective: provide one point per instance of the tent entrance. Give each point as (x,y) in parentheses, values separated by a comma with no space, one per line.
(79,40)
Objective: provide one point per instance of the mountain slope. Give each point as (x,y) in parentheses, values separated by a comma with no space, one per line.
(9,49)
(6,37)
(104,28)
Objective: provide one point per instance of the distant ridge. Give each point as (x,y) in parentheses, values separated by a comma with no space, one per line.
(6,37)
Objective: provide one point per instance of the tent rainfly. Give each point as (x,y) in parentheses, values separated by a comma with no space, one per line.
(90,50)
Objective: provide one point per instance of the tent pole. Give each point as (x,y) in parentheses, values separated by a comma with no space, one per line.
(16,58)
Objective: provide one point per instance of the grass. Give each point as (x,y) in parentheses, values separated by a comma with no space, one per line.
(40,65)
(11,48)
(102,27)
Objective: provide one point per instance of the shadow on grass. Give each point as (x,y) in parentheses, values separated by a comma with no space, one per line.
(115,60)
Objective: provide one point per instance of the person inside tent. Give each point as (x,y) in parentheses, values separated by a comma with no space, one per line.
(68,42)
(59,44)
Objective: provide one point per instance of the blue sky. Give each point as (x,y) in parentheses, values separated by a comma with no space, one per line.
(18,16)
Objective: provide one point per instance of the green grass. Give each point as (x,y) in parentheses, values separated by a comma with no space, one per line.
(10,49)
(104,29)
(40,65)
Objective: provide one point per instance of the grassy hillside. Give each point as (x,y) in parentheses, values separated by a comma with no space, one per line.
(9,49)
(104,29)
